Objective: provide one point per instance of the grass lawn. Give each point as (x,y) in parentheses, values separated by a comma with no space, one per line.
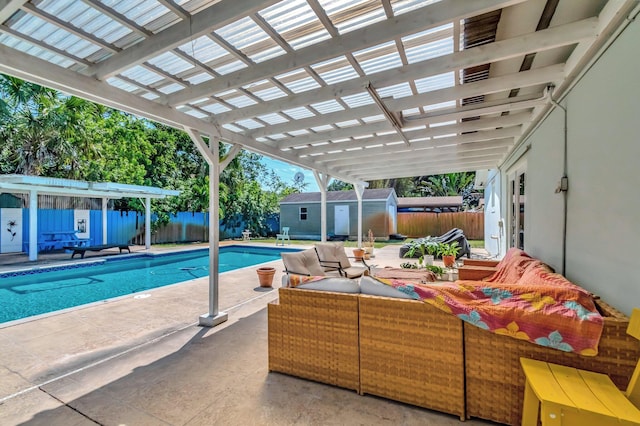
(378,244)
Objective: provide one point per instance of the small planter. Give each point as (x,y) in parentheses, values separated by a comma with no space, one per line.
(449,260)
(265,276)
(368,252)
(358,253)
(428,259)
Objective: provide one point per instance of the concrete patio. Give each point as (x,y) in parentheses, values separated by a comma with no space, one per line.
(145,361)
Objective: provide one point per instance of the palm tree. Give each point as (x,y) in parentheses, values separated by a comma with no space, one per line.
(45,132)
(447,184)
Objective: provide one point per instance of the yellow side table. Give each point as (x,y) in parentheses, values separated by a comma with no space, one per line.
(566,396)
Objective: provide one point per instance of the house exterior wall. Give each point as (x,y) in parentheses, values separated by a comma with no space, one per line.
(602,232)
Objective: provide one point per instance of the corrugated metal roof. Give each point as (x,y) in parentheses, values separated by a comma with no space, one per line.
(336,196)
(350,88)
(453,201)
(59,186)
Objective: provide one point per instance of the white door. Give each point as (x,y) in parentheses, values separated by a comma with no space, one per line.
(341,220)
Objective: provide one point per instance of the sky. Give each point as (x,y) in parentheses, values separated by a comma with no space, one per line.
(287,171)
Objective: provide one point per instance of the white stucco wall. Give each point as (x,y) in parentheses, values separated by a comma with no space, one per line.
(604,154)
(543,219)
(603,201)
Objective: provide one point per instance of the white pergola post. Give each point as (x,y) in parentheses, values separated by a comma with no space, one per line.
(147,223)
(33,225)
(104,220)
(212,156)
(359,191)
(323,182)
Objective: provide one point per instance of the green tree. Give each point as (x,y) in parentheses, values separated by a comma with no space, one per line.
(44,132)
(338,185)
(447,184)
(404,187)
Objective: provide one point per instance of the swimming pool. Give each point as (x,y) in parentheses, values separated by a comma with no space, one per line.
(38,291)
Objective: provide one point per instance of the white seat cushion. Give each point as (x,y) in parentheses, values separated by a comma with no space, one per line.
(302,262)
(339,285)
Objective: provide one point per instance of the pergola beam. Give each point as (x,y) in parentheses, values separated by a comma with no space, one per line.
(492,85)
(505,49)
(209,19)
(479,109)
(496,146)
(464,127)
(431,159)
(8,8)
(38,71)
(427,17)
(174,8)
(400,172)
(485,135)
(429,118)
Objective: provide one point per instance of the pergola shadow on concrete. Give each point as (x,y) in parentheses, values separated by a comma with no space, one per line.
(355,90)
(36,185)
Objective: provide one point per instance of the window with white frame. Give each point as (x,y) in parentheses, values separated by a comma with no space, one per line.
(303,213)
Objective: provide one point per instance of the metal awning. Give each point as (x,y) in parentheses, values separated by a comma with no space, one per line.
(77,188)
(36,185)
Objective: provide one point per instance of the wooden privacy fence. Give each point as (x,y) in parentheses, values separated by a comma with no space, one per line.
(420,224)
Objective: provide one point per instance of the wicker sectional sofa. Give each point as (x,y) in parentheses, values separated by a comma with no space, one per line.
(412,352)
(370,344)
(494,377)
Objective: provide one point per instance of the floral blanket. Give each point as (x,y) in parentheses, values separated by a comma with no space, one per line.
(563,317)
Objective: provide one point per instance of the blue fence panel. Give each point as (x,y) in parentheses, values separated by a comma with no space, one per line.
(122,226)
(95,227)
(54,220)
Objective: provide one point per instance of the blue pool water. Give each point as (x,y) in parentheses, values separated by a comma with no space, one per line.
(27,293)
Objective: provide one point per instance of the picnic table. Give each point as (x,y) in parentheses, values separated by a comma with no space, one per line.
(59,239)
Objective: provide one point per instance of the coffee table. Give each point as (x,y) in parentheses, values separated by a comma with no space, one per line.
(422,276)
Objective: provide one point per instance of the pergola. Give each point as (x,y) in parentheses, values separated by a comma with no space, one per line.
(35,185)
(353,89)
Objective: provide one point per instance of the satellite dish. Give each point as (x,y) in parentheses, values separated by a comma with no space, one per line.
(298,177)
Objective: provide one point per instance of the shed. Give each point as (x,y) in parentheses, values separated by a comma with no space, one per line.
(301,213)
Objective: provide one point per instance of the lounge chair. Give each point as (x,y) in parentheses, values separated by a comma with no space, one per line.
(81,250)
(332,257)
(453,235)
(304,263)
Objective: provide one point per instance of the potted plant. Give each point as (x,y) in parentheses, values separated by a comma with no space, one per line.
(432,249)
(358,254)
(369,245)
(449,253)
(436,270)
(427,247)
